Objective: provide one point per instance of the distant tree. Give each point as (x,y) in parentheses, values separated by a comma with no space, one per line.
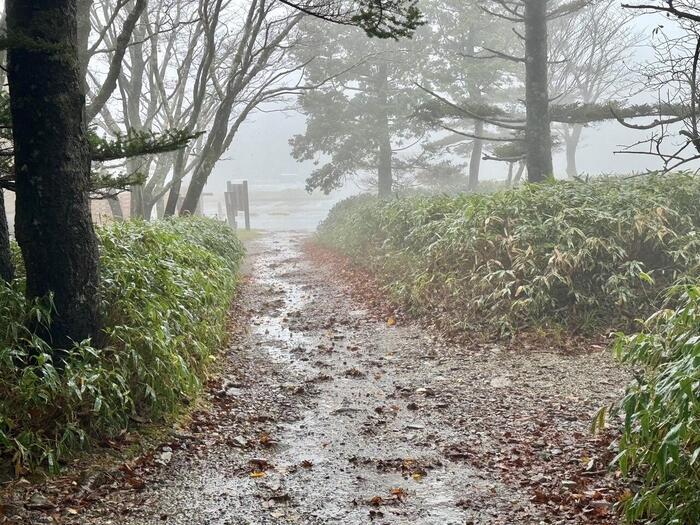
(359,120)
(450,63)
(378,18)
(252,67)
(679,9)
(534,16)
(590,61)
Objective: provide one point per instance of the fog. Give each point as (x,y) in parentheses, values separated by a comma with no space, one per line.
(266,136)
(261,152)
(301,125)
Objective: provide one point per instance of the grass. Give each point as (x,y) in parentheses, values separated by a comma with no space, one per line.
(579,255)
(660,444)
(249,235)
(166,291)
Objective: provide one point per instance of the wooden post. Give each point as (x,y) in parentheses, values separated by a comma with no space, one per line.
(229,200)
(246,205)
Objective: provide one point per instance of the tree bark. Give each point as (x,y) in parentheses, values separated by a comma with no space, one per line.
(160,208)
(538,135)
(475,159)
(84,28)
(7,270)
(509,179)
(53,224)
(116,208)
(474,95)
(519,174)
(173,197)
(385,182)
(572,140)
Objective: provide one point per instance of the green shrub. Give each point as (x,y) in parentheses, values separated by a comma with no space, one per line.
(580,254)
(166,290)
(661,437)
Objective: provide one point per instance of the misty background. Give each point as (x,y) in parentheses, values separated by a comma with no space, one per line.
(261,154)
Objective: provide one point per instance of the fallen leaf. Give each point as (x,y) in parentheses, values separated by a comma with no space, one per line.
(376,501)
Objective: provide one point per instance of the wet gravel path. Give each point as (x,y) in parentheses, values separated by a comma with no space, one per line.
(327,415)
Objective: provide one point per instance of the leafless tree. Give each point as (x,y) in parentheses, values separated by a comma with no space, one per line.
(590,61)
(673,75)
(198,66)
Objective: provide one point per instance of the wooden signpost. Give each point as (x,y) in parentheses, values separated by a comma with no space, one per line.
(236,199)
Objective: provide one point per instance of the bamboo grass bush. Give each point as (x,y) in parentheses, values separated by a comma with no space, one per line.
(166,291)
(660,444)
(580,255)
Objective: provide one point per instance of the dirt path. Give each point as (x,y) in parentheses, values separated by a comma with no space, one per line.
(326,415)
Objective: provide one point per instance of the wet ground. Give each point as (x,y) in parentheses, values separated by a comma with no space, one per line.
(325,414)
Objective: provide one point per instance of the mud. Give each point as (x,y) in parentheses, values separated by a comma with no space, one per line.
(327,415)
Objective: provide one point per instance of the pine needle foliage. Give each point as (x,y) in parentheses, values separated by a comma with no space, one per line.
(166,290)
(580,255)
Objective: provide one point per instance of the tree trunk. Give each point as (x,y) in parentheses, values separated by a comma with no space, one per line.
(572,140)
(509,179)
(136,210)
(174,193)
(197,183)
(519,174)
(538,135)
(173,197)
(52,162)
(7,271)
(84,28)
(475,96)
(475,159)
(385,180)
(148,209)
(160,208)
(116,208)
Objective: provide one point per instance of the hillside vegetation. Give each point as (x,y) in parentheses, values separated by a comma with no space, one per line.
(573,254)
(166,290)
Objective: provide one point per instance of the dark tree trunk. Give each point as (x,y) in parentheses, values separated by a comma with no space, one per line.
(7,271)
(572,140)
(174,193)
(385,178)
(538,135)
(53,224)
(173,197)
(475,159)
